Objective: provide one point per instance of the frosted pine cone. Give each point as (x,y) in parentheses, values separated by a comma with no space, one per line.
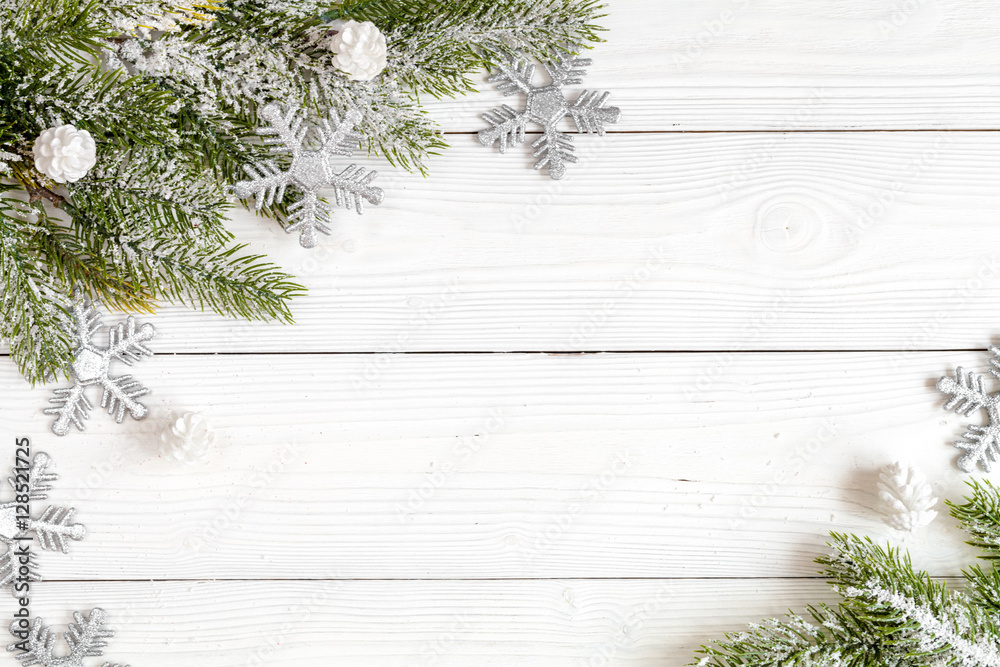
(360,49)
(187,439)
(65,154)
(906,498)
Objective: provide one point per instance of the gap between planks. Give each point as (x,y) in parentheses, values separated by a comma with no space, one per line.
(557,353)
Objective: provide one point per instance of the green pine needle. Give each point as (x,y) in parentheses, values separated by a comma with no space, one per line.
(171,100)
(891,614)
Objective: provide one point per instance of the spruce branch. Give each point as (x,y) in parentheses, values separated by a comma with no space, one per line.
(441,44)
(891,614)
(829,637)
(202,276)
(249,57)
(980,517)
(75,267)
(63,32)
(922,615)
(170,92)
(32,307)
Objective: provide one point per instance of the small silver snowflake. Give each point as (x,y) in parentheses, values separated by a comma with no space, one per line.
(310,170)
(546,106)
(52,527)
(86,638)
(92,366)
(981,444)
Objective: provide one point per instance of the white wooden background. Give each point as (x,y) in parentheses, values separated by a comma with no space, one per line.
(590,422)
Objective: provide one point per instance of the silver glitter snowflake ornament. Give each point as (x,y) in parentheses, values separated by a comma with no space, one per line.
(86,638)
(546,106)
(52,528)
(92,366)
(981,444)
(310,170)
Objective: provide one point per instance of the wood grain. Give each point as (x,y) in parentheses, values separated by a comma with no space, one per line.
(567,623)
(364,507)
(723,65)
(667,242)
(505,466)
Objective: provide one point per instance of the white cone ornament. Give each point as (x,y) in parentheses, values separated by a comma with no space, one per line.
(65,154)
(360,50)
(906,498)
(187,439)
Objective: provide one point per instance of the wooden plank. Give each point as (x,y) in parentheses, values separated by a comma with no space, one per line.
(420,623)
(503,466)
(708,242)
(721,65)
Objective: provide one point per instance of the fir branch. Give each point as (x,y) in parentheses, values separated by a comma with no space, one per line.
(204,276)
(119,111)
(257,52)
(142,190)
(980,517)
(436,46)
(984,588)
(831,638)
(63,32)
(73,267)
(170,95)
(32,308)
(924,618)
(241,286)
(892,614)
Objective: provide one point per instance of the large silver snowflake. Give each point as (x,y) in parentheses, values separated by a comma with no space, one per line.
(52,528)
(310,170)
(92,366)
(546,106)
(981,444)
(86,638)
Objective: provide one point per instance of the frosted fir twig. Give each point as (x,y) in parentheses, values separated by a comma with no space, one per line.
(891,614)
(934,634)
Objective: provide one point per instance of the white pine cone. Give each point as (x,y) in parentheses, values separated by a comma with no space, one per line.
(906,498)
(65,154)
(188,438)
(360,50)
